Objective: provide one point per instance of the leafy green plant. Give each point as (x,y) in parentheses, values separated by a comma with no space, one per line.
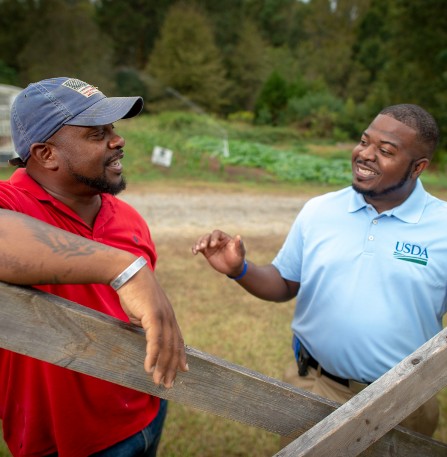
(198,143)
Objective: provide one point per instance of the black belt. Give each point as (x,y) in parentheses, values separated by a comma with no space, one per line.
(314,364)
(304,359)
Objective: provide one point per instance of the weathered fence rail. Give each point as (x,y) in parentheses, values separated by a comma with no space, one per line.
(64,333)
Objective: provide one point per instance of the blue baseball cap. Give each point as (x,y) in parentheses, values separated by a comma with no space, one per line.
(42,108)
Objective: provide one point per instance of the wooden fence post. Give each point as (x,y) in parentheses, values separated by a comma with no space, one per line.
(360,422)
(66,334)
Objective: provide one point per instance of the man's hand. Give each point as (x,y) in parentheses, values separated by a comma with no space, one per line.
(224,253)
(147,306)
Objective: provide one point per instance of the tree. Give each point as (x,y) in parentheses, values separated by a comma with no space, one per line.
(272,100)
(278,20)
(415,53)
(67,43)
(369,48)
(8,75)
(129,83)
(186,59)
(369,51)
(16,25)
(226,19)
(132,26)
(248,67)
(330,31)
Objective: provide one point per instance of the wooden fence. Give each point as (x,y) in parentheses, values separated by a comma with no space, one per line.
(66,334)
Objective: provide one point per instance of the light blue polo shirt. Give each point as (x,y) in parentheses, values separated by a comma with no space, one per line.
(373,286)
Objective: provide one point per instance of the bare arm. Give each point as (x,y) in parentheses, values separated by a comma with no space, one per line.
(226,255)
(33,252)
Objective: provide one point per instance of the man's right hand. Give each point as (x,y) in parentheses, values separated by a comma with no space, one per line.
(224,253)
(147,306)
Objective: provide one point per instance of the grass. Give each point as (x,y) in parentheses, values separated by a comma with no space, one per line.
(215,315)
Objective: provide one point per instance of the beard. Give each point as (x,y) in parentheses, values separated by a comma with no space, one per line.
(387,190)
(101,184)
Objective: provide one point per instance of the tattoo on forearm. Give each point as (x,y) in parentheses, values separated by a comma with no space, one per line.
(59,243)
(27,244)
(68,244)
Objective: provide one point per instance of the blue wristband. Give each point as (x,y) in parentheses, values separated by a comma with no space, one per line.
(244,271)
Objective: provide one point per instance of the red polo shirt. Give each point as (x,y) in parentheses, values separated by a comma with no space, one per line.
(45,408)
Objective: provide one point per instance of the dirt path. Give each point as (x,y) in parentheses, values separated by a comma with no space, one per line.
(189,211)
(186,213)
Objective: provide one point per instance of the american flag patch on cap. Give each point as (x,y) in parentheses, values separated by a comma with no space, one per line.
(81,87)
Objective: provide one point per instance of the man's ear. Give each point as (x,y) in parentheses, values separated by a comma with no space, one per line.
(44,155)
(419,166)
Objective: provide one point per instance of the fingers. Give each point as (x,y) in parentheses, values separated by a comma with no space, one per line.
(239,245)
(165,353)
(146,304)
(201,244)
(210,241)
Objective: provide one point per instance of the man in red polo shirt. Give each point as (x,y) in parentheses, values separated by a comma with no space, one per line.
(103,258)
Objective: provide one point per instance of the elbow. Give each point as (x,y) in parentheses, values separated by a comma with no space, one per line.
(283,298)
(290,290)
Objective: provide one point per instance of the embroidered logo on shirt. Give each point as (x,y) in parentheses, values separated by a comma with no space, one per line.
(411,253)
(81,87)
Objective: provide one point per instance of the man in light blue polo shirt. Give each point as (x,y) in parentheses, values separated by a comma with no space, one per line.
(368,265)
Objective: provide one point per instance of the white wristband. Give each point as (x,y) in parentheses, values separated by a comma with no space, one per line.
(130,271)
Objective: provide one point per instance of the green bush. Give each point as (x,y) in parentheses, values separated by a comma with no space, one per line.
(272,100)
(242,116)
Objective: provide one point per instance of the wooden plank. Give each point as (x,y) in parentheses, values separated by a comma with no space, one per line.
(360,422)
(64,333)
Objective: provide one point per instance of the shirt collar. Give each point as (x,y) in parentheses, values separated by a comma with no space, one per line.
(409,211)
(22,180)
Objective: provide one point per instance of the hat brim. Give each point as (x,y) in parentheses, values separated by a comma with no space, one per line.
(107,111)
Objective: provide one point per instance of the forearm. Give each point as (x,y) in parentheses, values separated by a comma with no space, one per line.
(33,252)
(266,283)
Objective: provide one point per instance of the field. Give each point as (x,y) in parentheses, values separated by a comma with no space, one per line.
(215,315)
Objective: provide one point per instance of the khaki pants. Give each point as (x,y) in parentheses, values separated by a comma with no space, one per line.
(423,420)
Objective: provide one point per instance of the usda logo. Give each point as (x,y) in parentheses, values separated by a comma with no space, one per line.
(411,253)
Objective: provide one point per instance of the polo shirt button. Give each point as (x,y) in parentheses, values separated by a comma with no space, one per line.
(375,221)
(370,238)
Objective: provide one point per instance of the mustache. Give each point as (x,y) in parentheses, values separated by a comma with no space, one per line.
(118,156)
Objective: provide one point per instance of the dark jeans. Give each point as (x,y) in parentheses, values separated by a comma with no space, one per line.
(142,444)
